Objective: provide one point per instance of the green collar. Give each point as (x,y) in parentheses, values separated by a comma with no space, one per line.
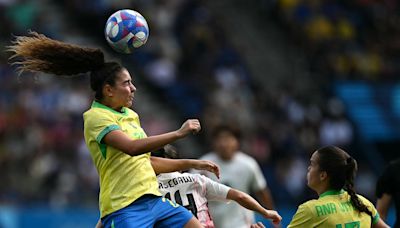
(331,192)
(96,104)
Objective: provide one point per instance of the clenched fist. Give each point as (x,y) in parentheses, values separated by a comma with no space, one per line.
(189,126)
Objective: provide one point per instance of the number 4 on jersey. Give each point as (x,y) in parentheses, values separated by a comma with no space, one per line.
(178,199)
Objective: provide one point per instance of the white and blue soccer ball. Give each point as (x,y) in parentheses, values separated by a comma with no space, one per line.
(126,30)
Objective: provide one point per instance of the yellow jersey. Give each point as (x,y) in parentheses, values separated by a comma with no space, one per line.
(333,209)
(123,178)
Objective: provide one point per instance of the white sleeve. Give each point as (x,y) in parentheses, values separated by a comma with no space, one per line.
(258,183)
(214,190)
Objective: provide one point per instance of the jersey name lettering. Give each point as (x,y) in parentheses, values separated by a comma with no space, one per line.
(175,181)
(325,209)
(346,207)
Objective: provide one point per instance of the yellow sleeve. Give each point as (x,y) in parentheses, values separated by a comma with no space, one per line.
(302,218)
(100,124)
(371,207)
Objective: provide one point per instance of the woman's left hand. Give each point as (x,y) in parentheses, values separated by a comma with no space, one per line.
(207,165)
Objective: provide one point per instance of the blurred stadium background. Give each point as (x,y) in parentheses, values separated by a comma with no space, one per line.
(292,74)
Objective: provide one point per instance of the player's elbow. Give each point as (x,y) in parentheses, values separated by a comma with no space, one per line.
(241,197)
(236,195)
(131,149)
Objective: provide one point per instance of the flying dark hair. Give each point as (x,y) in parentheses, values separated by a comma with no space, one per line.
(341,169)
(38,53)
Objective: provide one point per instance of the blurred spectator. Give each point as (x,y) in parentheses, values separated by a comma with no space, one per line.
(335,128)
(349,36)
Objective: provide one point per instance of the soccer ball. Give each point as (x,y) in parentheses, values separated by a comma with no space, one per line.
(126,30)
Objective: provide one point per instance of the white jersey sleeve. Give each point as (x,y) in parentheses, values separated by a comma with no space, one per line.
(214,190)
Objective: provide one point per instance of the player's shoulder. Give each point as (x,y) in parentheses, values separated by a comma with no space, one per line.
(364,199)
(93,111)
(90,111)
(94,115)
(196,177)
(245,159)
(199,176)
(131,112)
(244,156)
(310,203)
(167,176)
(367,203)
(307,206)
(188,174)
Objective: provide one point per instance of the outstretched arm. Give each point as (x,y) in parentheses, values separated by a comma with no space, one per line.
(165,165)
(250,203)
(121,141)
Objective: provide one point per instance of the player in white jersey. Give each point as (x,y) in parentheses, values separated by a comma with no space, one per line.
(193,191)
(239,171)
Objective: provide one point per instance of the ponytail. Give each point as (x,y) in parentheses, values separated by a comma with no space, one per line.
(341,168)
(38,53)
(351,169)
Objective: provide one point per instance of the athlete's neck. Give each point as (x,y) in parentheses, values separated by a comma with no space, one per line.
(321,189)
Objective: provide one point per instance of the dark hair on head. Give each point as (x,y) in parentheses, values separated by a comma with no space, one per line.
(226,128)
(341,169)
(102,76)
(168,151)
(38,53)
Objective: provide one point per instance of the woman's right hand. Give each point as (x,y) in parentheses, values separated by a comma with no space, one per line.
(189,126)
